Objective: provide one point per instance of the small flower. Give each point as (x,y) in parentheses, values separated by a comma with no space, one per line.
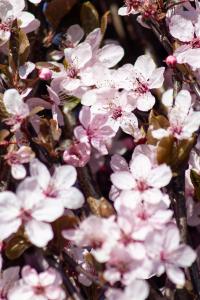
(100,234)
(29,209)
(143,179)
(183,120)
(164,248)
(59,186)
(94,130)
(42,286)
(16,107)
(16,159)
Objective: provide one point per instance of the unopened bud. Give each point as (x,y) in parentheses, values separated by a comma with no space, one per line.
(171,61)
(45,74)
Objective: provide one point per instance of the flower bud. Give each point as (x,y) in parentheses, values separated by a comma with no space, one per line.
(45,74)
(171,61)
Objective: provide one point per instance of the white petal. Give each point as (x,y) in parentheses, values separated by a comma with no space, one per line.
(176,275)
(160,176)
(110,55)
(140,166)
(18,171)
(181,28)
(39,233)
(73,198)
(145,65)
(64,177)
(145,102)
(123,180)
(40,171)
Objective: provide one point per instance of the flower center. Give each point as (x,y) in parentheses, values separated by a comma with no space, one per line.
(5,27)
(141,88)
(142,186)
(195,43)
(117,113)
(50,192)
(39,290)
(72,72)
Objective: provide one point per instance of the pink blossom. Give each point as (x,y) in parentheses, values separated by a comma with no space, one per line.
(143,178)
(58,187)
(42,286)
(11,10)
(164,248)
(29,209)
(185,27)
(72,37)
(16,159)
(100,234)
(77,154)
(121,266)
(140,79)
(15,106)
(136,290)
(141,218)
(94,130)
(184,121)
(114,104)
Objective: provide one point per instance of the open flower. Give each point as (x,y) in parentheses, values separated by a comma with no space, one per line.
(29,209)
(59,186)
(185,27)
(16,159)
(42,286)
(115,105)
(143,178)
(16,107)
(100,234)
(94,130)
(164,248)
(183,120)
(11,10)
(140,79)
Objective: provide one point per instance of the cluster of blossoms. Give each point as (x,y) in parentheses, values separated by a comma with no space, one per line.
(73,121)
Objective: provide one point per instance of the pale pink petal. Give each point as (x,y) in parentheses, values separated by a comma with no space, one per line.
(18,171)
(40,171)
(73,198)
(118,163)
(110,55)
(39,233)
(140,167)
(157,78)
(145,65)
(145,102)
(181,28)
(123,180)
(30,276)
(64,177)
(175,274)
(160,176)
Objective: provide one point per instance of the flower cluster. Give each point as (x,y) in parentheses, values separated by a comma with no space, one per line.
(99,150)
